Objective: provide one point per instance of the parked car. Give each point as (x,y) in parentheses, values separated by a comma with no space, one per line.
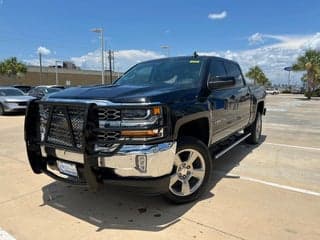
(151,129)
(272,91)
(54,86)
(23,88)
(41,91)
(13,100)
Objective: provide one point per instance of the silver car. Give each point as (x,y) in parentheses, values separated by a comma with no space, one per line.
(13,100)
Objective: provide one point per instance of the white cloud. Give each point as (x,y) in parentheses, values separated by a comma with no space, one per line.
(283,41)
(123,59)
(313,42)
(256,39)
(36,61)
(43,50)
(217,16)
(274,57)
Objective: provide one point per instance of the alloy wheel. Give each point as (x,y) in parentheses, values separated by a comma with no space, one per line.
(188,174)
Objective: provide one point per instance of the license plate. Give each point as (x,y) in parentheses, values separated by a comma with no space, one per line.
(67,168)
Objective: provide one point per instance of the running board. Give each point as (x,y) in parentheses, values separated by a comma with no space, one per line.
(218,155)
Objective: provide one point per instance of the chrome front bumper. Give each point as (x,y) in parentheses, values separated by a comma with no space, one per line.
(159,159)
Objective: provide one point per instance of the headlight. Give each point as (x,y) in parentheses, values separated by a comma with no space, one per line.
(135,114)
(132,118)
(140,114)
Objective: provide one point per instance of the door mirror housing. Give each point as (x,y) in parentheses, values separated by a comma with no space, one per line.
(220,82)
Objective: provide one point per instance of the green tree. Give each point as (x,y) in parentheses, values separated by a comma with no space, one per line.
(258,76)
(12,67)
(309,62)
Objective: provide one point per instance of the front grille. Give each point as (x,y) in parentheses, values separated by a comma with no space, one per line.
(109,114)
(66,125)
(109,136)
(108,141)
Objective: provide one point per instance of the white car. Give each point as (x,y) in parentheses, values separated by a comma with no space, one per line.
(13,100)
(272,91)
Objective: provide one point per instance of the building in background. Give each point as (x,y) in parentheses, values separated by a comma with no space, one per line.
(68,74)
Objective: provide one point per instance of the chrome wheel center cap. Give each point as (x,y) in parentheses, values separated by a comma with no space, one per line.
(184,171)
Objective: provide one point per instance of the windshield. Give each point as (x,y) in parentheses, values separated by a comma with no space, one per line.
(167,72)
(10,92)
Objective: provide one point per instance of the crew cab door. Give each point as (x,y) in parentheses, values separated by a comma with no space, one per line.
(223,104)
(241,95)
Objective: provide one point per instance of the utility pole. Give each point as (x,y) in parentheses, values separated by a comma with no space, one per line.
(110,65)
(289,69)
(113,69)
(40,60)
(57,79)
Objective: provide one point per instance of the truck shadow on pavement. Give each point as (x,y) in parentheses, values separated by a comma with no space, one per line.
(113,208)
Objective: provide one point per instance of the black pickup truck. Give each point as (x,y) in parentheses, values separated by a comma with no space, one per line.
(152,128)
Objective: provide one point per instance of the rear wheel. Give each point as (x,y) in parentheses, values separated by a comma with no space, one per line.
(1,110)
(192,171)
(255,130)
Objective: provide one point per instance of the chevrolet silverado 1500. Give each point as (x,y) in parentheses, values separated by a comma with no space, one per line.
(152,128)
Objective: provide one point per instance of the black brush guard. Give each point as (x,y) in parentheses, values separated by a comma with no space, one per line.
(32,138)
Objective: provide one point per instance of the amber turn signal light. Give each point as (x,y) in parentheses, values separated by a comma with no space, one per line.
(156,110)
(139,133)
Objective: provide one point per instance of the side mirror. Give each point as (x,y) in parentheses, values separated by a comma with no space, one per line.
(220,82)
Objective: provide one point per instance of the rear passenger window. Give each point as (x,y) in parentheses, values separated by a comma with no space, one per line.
(233,70)
(217,69)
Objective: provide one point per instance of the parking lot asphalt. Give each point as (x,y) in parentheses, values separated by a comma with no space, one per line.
(268,191)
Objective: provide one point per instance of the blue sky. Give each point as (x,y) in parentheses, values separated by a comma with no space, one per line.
(240,30)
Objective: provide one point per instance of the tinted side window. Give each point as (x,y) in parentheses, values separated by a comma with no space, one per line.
(233,70)
(217,69)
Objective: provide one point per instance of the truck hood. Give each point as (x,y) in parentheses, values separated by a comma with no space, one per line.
(128,94)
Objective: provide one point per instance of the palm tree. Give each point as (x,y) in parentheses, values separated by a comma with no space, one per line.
(257,75)
(12,67)
(309,62)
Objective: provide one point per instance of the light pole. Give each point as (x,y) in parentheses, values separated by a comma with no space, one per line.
(57,79)
(100,30)
(40,60)
(167,47)
(289,69)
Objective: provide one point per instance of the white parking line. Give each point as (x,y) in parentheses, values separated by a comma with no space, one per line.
(292,146)
(285,187)
(300,190)
(5,236)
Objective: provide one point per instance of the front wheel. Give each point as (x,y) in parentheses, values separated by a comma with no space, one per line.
(191,173)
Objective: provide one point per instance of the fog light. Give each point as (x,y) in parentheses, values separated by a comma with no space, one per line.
(141,163)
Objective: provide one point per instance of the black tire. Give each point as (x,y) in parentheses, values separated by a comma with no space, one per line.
(1,110)
(194,175)
(255,130)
